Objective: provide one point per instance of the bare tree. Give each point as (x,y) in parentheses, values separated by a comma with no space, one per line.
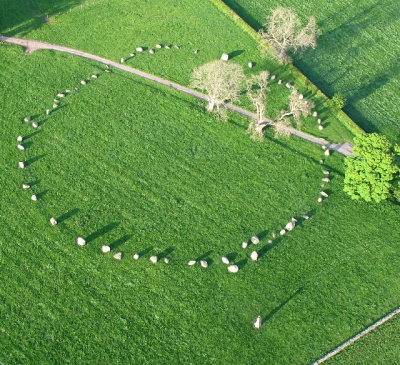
(298,106)
(284,33)
(221,80)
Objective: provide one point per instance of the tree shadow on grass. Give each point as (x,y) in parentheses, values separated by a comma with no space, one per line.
(67,215)
(280,306)
(120,241)
(243,13)
(102,231)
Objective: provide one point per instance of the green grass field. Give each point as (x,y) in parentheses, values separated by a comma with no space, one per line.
(141,168)
(172,179)
(357,54)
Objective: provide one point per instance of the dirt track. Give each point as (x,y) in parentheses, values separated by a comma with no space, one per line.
(31,46)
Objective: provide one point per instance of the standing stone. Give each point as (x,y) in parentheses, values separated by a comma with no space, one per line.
(225,57)
(105,248)
(53,221)
(118,256)
(80,241)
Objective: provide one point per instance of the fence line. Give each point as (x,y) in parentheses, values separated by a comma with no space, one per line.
(356,337)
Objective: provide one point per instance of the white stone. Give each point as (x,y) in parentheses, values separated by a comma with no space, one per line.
(139,49)
(67,91)
(118,256)
(273,77)
(56,100)
(83,82)
(21,164)
(27,119)
(321,161)
(280,82)
(225,57)
(254,255)
(204,263)
(60,95)
(191,262)
(327,153)
(47,111)
(291,224)
(269,241)
(107,71)
(250,64)
(177,47)
(35,125)
(324,147)
(158,46)
(19,139)
(326,179)
(196,51)
(53,221)
(94,76)
(244,244)
(131,55)
(167,260)
(34,197)
(55,106)
(305,216)
(136,256)
(233,268)
(153,259)
(282,232)
(167,46)
(25,186)
(80,241)
(255,240)
(288,85)
(105,248)
(257,323)
(319,200)
(319,121)
(274,235)
(320,127)
(151,51)
(325,172)
(21,147)
(122,60)
(315,114)
(225,260)
(301,96)
(324,194)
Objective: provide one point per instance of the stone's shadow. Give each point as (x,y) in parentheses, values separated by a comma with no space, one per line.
(42,194)
(242,263)
(120,241)
(67,215)
(145,251)
(43,122)
(262,234)
(263,250)
(34,159)
(166,252)
(231,256)
(31,135)
(280,306)
(102,231)
(202,257)
(27,144)
(235,53)
(33,183)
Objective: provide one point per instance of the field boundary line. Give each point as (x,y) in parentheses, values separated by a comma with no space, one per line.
(306,82)
(31,45)
(356,337)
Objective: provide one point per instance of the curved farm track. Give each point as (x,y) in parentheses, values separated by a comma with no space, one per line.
(31,46)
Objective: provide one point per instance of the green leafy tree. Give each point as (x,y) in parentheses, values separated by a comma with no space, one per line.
(339,101)
(369,174)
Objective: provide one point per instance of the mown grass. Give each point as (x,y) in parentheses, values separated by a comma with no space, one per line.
(356,54)
(140,167)
(113,29)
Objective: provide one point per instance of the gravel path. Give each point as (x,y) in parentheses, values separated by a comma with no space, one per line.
(31,46)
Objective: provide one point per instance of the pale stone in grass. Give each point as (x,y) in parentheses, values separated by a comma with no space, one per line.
(320,127)
(322,185)
(167,260)
(80,241)
(254,255)
(301,96)
(167,46)
(250,64)
(34,197)
(56,100)
(324,194)
(305,216)
(321,161)
(136,256)
(60,95)
(244,244)
(151,51)
(19,139)
(257,323)
(269,241)
(282,232)
(191,262)
(255,240)
(196,51)
(280,82)
(139,49)
(53,221)
(94,76)
(153,259)
(21,147)
(25,186)
(204,263)
(67,91)
(27,119)
(273,77)
(55,106)
(273,234)
(326,179)
(35,125)
(225,260)
(105,248)
(158,46)
(327,153)
(177,47)
(83,82)
(118,256)
(47,111)
(132,55)
(21,165)
(319,121)
(225,57)
(315,114)
(324,147)
(288,85)
(319,200)
(233,268)
(122,60)
(107,71)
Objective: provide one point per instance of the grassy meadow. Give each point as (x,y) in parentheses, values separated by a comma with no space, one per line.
(357,54)
(172,181)
(130,164)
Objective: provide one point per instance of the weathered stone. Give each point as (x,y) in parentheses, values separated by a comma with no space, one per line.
(80,241)
(105,248)
(225,57)
(233,268)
